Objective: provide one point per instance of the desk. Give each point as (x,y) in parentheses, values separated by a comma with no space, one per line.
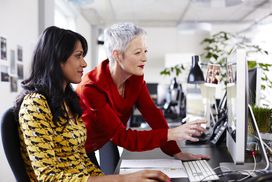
(217,153)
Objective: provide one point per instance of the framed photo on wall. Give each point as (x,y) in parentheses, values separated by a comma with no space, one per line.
(4,73)
(13,84)
(20,71)
(13,69)
(19,53)
(3,48)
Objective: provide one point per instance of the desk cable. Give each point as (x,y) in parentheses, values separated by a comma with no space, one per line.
(247,173)
(226,173)
(267,146)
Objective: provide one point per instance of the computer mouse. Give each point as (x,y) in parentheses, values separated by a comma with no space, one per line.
(203,138)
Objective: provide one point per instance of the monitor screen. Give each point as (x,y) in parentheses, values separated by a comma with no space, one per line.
(152,88)
(254,81)
(252,78)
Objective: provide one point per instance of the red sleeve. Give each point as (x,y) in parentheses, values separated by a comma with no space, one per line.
(103,124)
(155,118)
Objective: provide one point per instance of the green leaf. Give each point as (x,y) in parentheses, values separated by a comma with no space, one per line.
(215,56)
(251,64)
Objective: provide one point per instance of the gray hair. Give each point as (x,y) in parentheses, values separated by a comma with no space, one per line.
(118,36)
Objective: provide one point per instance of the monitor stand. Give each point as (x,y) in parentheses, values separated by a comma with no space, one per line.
(228,166)
(262,165)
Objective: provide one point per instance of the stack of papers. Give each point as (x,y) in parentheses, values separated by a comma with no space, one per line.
(171,167)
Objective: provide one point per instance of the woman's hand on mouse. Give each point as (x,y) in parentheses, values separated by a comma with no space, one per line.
(187,131)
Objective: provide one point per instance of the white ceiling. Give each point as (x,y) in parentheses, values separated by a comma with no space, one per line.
(169,13)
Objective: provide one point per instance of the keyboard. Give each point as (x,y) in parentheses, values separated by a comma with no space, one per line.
(200,170)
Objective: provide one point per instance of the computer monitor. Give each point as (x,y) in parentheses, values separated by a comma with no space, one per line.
(239,114)
(152,88)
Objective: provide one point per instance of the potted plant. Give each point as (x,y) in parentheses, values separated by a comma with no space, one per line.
(263,116)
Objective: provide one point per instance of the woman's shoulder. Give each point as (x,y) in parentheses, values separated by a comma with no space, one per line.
(34,95)
(34,98)
(35,102)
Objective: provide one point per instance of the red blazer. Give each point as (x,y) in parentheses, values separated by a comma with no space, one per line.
(106,113)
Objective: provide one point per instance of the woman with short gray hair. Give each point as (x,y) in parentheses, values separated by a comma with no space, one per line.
(109,92)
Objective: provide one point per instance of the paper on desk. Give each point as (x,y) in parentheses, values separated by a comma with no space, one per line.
(171,167)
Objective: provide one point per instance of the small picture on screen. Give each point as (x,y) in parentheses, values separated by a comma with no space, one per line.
(213,74)
(209,77)
(216,74)
(230,74)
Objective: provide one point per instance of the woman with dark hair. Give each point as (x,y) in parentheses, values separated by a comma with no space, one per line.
(51,130)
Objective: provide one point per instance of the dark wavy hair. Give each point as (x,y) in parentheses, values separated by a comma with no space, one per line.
(54,47)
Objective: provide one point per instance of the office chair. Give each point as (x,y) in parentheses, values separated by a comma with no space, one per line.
(109,157)
(11,145)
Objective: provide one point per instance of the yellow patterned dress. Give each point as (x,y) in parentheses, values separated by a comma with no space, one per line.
(50,152)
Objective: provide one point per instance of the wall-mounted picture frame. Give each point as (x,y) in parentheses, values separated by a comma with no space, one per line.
(19,53)
(4,73)
(13,69)
(13,84)
(20,71)
(3,48)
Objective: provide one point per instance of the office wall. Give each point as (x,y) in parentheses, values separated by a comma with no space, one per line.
(83,27)
(19,25)
(68,17)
